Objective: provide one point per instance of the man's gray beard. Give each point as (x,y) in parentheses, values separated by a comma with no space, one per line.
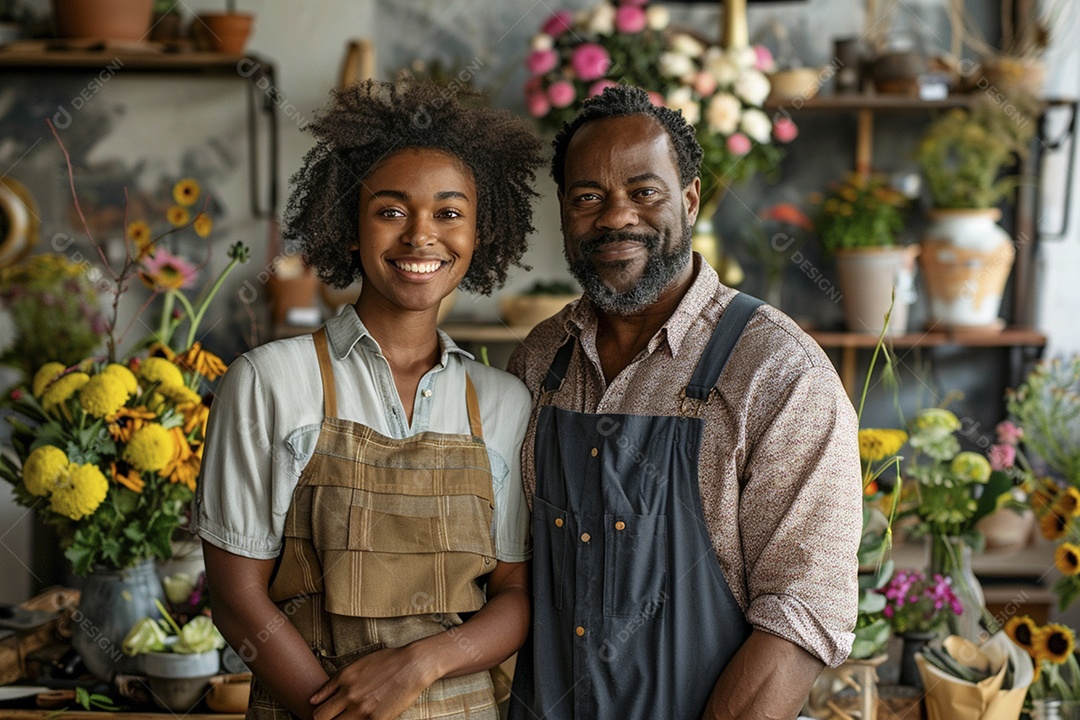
(660,270)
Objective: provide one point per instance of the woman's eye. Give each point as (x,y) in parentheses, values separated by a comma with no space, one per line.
(390,213)
(450,214)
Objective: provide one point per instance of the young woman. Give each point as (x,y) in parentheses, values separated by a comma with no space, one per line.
(360,494)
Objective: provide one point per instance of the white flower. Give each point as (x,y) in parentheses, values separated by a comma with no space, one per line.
(756,125)
(682,98)
(602,20)
(9,331)
(721,67)
(676,65)
(753,87)
(686,45)
(542,42)
(657,16)
(745,58)
(723,113)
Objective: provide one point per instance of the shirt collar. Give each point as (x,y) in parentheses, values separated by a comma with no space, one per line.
(582,319)
(347,329)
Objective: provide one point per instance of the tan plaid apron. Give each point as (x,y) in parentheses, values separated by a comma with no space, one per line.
(383,544)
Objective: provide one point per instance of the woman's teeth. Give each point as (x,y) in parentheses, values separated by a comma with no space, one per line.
(425,267)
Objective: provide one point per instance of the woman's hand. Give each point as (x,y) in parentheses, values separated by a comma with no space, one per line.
(379,686)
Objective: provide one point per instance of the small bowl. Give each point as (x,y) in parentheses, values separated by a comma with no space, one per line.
(229,693)
(794,83)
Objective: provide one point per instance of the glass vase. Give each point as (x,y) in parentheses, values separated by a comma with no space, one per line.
(950,556)
(1053,709)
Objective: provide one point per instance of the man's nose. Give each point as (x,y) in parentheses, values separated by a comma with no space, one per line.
(617,213)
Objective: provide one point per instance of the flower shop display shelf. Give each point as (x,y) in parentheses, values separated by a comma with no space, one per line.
(260,73)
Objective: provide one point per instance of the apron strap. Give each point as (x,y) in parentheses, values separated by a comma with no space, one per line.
(559,366)
(472,405)
(722,342)
(327,373)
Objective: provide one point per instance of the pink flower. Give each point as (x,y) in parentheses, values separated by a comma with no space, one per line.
(784,130)
(559,23)
(16,394)
(590,61)
(657,99)
(1002,457)
(738,144)
(562,93)
(704,84)
(598,87)
(763,59)
(630,20)
(164,272)
(541,61)
(537,105)
(1009,433)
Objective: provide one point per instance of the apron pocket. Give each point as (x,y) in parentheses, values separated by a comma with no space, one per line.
(550,529)
(635,565)
(333,663)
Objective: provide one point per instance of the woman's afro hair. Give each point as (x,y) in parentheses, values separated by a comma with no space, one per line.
(369,121)
(623,100)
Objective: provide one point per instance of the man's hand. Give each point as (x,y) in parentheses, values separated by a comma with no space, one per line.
(379,686)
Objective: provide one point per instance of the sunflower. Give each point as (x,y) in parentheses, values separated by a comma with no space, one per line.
(201,361)
(139,234)
(1067,503)
(186,192)
(203,225)
(178,216)
(1053,526)
(161,350)
(877,444)
(126,421)
(180,469)
(1067,558)
(1054,642)
(1021,629)
(127,476)
(195,417)
(1042,499)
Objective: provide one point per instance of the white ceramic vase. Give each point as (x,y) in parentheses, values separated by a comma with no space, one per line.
(867,277)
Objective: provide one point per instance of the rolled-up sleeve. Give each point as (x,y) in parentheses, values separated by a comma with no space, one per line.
(236,508)
(800,518)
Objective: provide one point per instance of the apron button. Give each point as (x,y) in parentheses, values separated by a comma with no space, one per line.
(580,631)
(558,522)
(594,452)
(426,393)
(585,537)
(620,525)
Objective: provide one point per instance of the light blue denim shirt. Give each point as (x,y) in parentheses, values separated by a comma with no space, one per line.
(265,419)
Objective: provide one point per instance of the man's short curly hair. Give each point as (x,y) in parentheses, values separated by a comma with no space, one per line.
(623,100)
(369,121)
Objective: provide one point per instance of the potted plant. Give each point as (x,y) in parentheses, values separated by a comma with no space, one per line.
(103,20)
(966,255)
(917,607)
(858,222)
(225,32)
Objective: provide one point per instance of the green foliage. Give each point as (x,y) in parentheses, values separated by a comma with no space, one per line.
(859,212)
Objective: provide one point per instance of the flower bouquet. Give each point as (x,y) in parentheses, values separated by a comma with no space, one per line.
(1052,649)
(576,56)
(915,603)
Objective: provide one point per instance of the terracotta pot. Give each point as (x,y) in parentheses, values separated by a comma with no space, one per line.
(966,261)
(898,72)
(103,19)
(224,32)
(867,277)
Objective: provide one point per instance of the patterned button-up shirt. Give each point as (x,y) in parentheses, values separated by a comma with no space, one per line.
(779,468)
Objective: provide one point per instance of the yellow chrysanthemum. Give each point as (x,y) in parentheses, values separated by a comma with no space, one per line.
(1053,526)
(84,490)
(1022,630)
(179,394)
(1067,558)
(201,361)
(103,395)
(203,225)
(44,377)
(971,466)
(877,444)
(936,418)
(127,476)
(43,469)
(195,417)
(122,373)
(150,449)
(1067,503)
(1054,643)
(186,192)
(178,216)
(161,371)
(126,422)
(61,391)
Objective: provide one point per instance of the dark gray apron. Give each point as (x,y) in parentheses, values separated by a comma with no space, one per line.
(632,616)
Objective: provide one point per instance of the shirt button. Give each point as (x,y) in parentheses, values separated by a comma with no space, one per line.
(620,525)
(594,452)
(586,537)
(580,631)
(426,393)
(558,522)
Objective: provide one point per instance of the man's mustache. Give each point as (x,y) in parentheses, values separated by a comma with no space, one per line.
(651,241)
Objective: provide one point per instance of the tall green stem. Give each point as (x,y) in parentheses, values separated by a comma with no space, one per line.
(165,327)
(198,316)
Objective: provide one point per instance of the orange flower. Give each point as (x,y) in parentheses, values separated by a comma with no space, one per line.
(195,417)
(184,466)
(126,421)
(178,216)
(127,476)
(201,362)
(203,225)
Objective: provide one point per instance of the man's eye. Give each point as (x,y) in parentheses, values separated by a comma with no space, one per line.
(647,192)
(587,197)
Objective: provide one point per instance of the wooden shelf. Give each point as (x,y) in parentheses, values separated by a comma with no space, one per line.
(1033,562)
(856,102)
(1007,337)
(119,59)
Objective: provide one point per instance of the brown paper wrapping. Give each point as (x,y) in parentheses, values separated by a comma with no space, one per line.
(950,698)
